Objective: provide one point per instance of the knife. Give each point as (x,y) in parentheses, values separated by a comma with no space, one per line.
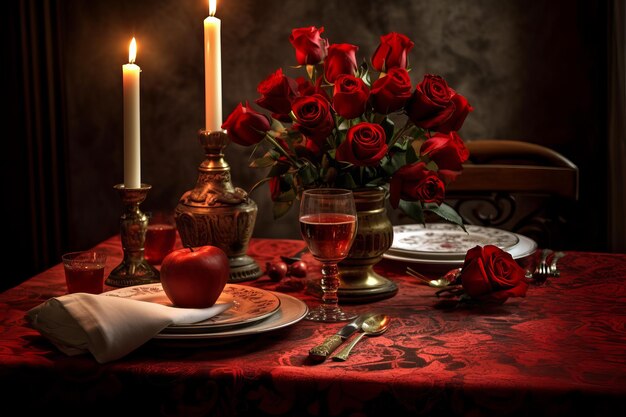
(324,349)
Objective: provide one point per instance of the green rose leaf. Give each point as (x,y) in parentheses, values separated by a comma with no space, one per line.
(277,169)
(413,209)
(401,144)
(277,126)
(265,161)
(287,197)
(392,163)
(345,180)
(431,165)
(411,155)
(281,208)
(445,212)
(307,174)
(388,127)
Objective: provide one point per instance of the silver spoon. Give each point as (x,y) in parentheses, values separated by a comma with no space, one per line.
(373,326)
(445,280)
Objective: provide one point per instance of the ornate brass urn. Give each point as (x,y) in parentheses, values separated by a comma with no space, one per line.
(216,213)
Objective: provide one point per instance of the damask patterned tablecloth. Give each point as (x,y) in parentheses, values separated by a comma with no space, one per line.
(561,350)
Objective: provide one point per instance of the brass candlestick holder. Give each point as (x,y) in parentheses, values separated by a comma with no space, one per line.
(134,269)
(216,213)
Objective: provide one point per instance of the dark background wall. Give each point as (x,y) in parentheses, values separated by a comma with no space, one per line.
(533,71)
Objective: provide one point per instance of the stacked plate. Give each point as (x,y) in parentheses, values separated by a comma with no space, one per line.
(444,245)
(254,311)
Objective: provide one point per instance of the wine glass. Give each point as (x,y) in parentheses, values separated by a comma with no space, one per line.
(328,226)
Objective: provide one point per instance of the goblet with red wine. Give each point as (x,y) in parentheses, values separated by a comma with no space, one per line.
(328,223)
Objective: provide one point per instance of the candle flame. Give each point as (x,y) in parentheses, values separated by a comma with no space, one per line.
(212,7)
(132,51)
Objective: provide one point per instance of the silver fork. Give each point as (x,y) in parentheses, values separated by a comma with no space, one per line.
(554,271)
(543,269)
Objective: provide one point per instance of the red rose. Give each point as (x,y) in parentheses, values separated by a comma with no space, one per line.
(305,87)
(392,52)
(365,145)
(245,126)
(277,92)
(341,59)
(311,48)
(490,274)
(436,106)
(416,183)
(313,117)
(431,103)
(461,110)
(447,150)
(391,92)
(350,96)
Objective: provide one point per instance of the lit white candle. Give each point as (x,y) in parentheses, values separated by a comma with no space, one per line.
(212,70)
(132,148)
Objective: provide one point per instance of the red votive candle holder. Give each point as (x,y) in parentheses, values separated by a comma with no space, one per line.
(84,271)
(160,238)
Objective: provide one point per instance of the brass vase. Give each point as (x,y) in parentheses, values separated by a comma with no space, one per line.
(358,280)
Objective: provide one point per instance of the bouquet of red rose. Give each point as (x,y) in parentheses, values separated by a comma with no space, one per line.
(343,126)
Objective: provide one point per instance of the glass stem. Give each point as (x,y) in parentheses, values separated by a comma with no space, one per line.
(330,284)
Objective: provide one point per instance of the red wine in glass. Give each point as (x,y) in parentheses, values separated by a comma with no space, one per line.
(328,224)
(328,235)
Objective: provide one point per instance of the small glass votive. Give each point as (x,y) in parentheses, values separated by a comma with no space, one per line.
(160,237)
(84,271)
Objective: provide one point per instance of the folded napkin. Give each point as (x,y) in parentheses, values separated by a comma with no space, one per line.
(108,327)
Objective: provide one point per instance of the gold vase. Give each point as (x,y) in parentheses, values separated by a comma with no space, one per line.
(358,280)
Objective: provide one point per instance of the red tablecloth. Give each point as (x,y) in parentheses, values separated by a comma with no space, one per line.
(561,350)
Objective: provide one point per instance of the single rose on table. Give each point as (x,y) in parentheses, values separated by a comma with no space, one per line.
(489,276)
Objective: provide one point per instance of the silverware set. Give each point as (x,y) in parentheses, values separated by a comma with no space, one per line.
(367,324)
(547,267)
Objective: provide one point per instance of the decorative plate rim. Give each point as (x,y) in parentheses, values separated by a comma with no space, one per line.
(259,304)
(524,248)
(487,235)
(292,311)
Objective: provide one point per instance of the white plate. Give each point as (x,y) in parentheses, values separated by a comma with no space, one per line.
(525,247)
(439,241)
(290,312)
(250,305)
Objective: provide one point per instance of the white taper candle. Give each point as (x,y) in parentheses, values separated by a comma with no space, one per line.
(132,133)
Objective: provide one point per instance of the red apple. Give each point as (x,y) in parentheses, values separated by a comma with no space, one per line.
(195,277)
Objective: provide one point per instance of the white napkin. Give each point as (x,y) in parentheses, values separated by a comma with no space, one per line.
(108,327)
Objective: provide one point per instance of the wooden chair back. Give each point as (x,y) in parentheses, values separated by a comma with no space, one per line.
(518,186)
